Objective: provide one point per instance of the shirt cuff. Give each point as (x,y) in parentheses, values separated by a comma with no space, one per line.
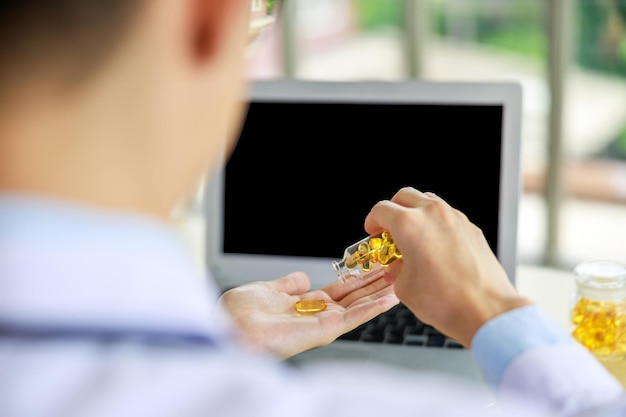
(499,341)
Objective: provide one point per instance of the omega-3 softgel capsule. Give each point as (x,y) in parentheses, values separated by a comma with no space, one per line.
(310,306)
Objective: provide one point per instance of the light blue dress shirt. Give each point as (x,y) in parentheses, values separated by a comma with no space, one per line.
(105,313)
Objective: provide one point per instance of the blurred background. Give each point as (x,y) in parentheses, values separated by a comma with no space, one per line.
(568,55)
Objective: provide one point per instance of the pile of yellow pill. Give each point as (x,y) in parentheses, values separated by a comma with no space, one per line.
(600,326)
(380,250)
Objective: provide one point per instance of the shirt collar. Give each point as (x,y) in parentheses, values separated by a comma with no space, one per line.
(74,267)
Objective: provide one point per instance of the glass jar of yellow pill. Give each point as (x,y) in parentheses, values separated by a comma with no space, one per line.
(598,312)
(367,257)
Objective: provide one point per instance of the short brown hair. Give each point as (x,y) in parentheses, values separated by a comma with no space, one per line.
(64,38)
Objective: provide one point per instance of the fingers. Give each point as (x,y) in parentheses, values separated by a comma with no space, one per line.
(369,308)
(294,283)
(372,290)
(385,213)
(410,197)
(337,289)
(392,271)
(352,293)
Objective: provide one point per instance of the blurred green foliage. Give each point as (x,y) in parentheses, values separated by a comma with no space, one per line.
(516,26)
(270,6)
(601,44)
(378,14)
(522,38)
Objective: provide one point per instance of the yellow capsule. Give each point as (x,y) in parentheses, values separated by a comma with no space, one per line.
(366,266)
(374,257)
(376,243)
(353,261)
(386,254)
(364,249)
(311,306)
(600,326)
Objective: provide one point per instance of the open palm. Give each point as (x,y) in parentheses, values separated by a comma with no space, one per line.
(265,311)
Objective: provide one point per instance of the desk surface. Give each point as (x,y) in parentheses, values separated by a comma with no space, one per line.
(551,289)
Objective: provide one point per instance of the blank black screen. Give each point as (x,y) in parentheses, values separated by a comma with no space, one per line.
(304,175)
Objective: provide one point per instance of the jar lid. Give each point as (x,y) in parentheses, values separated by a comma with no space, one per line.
(602,280)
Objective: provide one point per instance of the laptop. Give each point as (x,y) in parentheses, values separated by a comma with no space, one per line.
(313,157)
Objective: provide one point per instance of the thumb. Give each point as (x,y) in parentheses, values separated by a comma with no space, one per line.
(393,270)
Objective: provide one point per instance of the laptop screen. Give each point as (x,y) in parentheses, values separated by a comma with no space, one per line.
(305,175)
(306,172)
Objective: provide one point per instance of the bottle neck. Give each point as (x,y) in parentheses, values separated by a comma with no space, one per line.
(602,294)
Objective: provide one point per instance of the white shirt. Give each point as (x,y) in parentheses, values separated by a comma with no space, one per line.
(106,314)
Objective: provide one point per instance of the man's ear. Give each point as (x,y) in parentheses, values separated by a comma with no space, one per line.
(210,22)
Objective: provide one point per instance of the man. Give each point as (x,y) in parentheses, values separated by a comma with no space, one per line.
(111,112)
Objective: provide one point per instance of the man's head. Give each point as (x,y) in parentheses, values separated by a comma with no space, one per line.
(66,39)
(119,103)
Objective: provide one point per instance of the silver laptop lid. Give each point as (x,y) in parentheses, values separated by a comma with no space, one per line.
(314,156)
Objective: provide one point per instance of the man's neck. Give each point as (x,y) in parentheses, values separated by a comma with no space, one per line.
(56,147)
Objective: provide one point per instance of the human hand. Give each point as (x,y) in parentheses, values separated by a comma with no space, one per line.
(265,313)
(446,261)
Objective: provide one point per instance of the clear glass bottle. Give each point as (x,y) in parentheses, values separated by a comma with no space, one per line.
(598,312)
(367,257)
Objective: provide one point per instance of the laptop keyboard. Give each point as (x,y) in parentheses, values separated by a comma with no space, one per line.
(400,326)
